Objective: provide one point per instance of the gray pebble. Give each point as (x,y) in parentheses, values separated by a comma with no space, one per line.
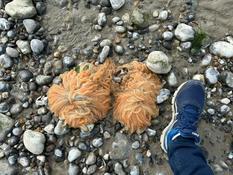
(117,4)
(73,169)
(43,79)
(4,107)
(105,42)
(37,46)
(119,49)
(172,80)
(185,45)
(49,128)
(102,19)
(103,54)
(17,131)
(118,169)
(4,24)
(24,161)
(168,35)
(30,25)
(16,109)
(23,46)
(68,61)
(60,128)
(25,75)
(58,153)
(151,132)
(4,86)
(6,61)
(12,52)
(163,95)
(134,170)
(12,160)
(135,145)
(229,79)
(163,15)
(211,75)
(11,34)
(91,169)
(73,154)
(120,29)
(224,109)
(91,159)
(98,142)
(115,19)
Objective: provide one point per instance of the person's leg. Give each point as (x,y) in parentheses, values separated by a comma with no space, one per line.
(186,158)
(179,138)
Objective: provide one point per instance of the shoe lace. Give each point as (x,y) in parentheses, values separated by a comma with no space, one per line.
(188,118)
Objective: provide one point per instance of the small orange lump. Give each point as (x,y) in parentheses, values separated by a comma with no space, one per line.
(82,98)
(135,96)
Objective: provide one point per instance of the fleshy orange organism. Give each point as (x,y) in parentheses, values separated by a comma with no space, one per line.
(135,96)
(82,98)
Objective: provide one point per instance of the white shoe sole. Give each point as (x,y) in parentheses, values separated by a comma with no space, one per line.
(170,125)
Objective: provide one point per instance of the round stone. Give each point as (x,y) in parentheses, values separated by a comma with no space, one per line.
(73,154)
(16,109)
(4,24)
(184,32)
(25,75)
(37,46)
(222,49)
(34,141)
(119,49)
(102,19)
(30,25)
(163,15)
(117,4)
(91,159)
(6,61)
(163,95)
(103,54)
(211,75)
(12,52)
(158,62)
(167,35)
(98,142)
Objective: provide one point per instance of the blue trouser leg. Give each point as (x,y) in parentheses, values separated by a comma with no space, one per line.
(186,158)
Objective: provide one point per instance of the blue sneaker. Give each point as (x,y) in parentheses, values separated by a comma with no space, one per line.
(187,105)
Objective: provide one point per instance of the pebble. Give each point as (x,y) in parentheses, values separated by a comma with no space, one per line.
(58,153)
(150,132)
(91,159)
(120,29)
(225,101)
(4,24)
(184,32)
(17,131)
(134,170)
(12,160)
(224,109)
(135,145)
(30,25)
(105,42)
(229,79)
(117,4)
(60,128)
(16,109)
(11,34)
(163,95)
(116,19)
(24,161)
(43,79)
(163,15)
(20,9)
(5,61)
(74,154)
(118,169)
(153,27)
(167,35)
(172,80)
(73,169)
(103,54)
(6,124)
(12,52)
(49,128)
(199,77)
(34,141)
(4,107)
(211,75)
(91,169)
(37,46)
(23,46)
(211,111)
(25,75)
(102,19)
(206,60)
(222,49)
(155,13)
(158,62)
(4,86)
(68,61)
(98,142)
(186,45)
(119,49)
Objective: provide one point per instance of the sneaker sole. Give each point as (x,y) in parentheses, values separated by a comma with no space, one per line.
(170,125)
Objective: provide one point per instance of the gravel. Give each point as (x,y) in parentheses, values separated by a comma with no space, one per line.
(23,46)
(117,4)
(6,123)
(4,24)
(91,159)
(73,154)
(103,54)
(12,52)
(30,25)
(163,95)
(222,49)
(37,46)
(6,61)
(25,75)
(211,75)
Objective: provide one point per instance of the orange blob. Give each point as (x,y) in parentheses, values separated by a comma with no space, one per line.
(82,98)
(135,96)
